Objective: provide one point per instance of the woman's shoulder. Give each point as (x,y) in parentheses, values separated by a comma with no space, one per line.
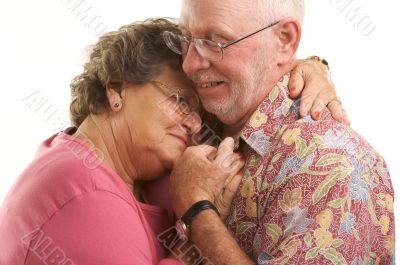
(67,163)
(62,171)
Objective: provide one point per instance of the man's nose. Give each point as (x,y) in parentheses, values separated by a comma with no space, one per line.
(193,61)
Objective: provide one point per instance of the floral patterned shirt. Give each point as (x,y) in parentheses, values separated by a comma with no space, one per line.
(313,192)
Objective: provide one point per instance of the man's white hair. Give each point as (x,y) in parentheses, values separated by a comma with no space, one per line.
(274,10)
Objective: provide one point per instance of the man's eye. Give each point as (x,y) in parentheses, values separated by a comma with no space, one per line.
(220,39)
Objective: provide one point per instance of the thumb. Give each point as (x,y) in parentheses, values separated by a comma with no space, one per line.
(296,83)
(225,148)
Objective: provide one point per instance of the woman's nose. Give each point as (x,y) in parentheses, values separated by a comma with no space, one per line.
(191,123)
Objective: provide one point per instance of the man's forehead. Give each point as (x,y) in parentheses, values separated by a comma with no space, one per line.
(204,15)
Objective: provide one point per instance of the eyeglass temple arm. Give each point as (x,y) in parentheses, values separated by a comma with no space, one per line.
(242,38)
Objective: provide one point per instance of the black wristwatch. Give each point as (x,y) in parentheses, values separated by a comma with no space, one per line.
(183,224)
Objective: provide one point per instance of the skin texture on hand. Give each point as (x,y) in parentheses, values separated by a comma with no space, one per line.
(205,173)
(311,81)
(224,199)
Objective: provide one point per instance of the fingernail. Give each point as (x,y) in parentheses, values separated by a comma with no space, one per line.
(317,115)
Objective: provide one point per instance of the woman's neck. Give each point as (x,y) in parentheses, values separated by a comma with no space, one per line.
(97,132)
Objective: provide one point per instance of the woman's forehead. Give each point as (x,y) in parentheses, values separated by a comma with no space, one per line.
(174,78)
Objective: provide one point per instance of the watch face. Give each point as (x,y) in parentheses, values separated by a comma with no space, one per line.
(181,230)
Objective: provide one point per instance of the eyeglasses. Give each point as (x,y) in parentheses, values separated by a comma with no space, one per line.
(180,100)
(208,49)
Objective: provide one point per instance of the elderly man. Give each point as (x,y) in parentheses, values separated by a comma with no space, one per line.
(313,192)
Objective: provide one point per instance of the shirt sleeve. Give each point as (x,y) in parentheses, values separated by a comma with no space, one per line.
(95,228)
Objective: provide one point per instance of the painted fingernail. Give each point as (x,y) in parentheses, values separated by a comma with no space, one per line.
(317,115)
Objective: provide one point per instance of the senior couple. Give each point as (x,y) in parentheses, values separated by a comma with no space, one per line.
(281,188)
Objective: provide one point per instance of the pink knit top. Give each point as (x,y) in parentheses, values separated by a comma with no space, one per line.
(69,208)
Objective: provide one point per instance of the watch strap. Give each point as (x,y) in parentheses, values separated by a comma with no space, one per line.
(195,209)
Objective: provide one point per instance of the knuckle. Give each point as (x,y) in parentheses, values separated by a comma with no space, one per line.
(295,72)
(319,104)
(307,97)
(335,105)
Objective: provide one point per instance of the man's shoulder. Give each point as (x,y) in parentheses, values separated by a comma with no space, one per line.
(318,149)
(323,133)
(329,186)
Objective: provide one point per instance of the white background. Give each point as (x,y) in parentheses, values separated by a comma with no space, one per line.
(42,43)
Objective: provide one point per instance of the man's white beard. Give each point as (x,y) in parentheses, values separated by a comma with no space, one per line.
(230,109)
(243,92)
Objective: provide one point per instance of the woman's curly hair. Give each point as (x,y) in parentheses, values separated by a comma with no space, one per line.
(134,54)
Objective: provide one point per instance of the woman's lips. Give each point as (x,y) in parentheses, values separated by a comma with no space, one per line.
(181,139)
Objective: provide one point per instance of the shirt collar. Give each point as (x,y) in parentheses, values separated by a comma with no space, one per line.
(268,118)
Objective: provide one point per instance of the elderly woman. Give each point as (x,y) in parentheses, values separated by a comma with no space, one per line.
(83,199)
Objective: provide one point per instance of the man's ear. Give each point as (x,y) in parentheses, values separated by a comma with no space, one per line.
(114,99)
(289,35)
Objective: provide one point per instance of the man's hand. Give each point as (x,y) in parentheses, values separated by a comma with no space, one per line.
(206,173)
(312,80)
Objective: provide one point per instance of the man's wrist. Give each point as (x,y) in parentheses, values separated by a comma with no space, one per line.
(205,221)
(185,203)
(183,225)
(215,242)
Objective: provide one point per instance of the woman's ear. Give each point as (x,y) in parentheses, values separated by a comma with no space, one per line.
(289,35)
(114,99)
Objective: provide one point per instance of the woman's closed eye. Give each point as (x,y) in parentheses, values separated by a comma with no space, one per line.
(182,100)
(182,103)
